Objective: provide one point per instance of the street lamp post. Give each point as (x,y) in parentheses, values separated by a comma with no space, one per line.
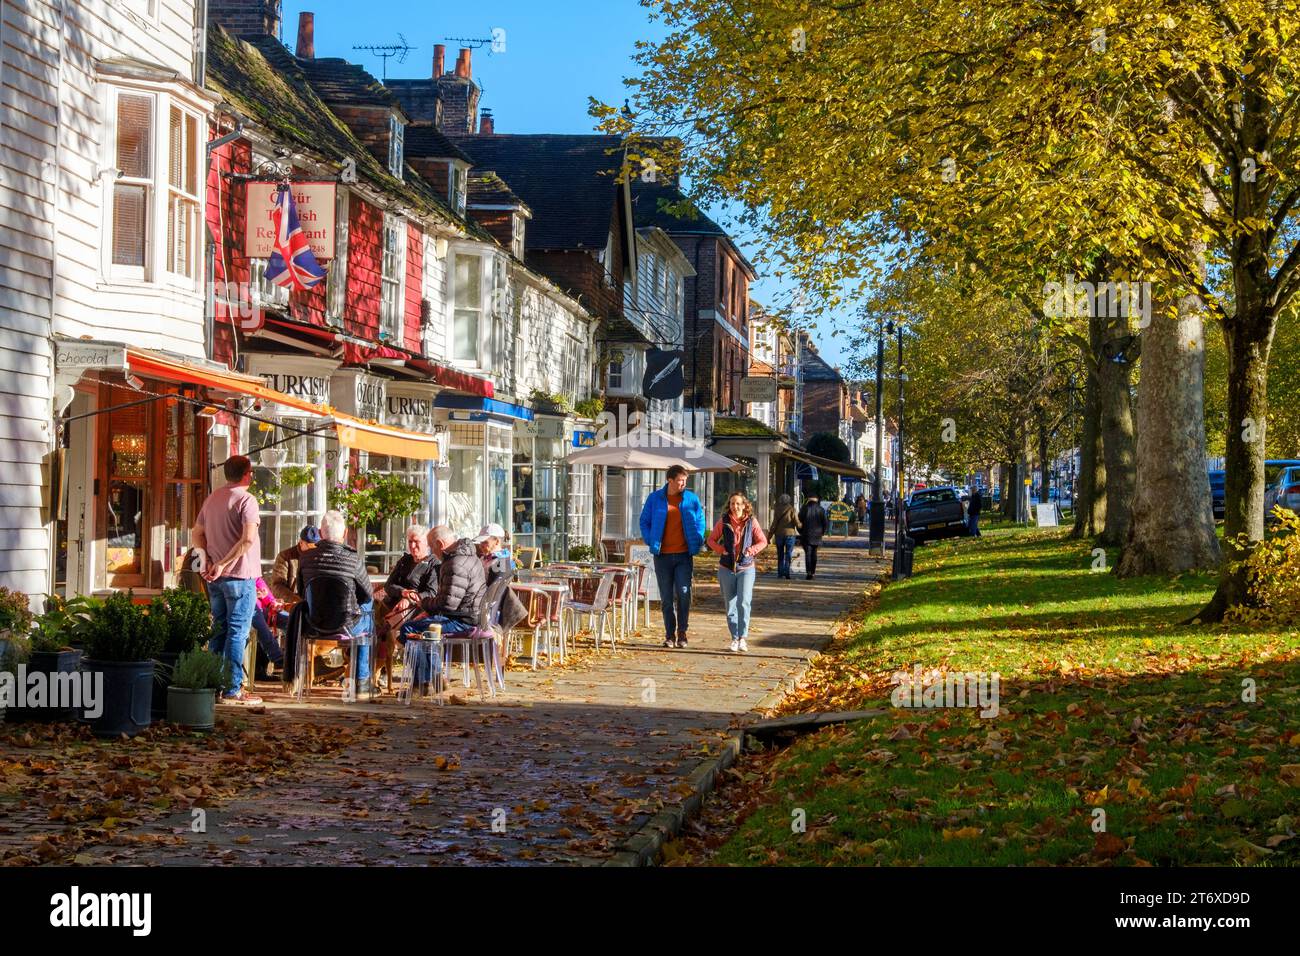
(902,552)
(876,526)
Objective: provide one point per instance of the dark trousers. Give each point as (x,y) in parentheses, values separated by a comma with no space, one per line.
(810,559)
(784,552)
(673,574)
(266,641)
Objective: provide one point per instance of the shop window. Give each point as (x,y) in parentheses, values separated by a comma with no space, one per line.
(538,511)
(386,540)
(615,503)
(291,470)
(126,502)
(579,504)
(465,498)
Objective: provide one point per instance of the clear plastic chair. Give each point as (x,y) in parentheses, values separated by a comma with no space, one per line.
(426,645)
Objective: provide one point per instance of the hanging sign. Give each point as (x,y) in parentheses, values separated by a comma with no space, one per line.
(758,388)
(663,375)
(315,204)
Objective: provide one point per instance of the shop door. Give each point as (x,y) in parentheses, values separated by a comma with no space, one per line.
(122,486)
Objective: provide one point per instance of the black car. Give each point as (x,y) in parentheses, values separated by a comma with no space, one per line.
(935,513)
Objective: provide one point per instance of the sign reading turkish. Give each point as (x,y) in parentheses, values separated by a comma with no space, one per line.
(315,202)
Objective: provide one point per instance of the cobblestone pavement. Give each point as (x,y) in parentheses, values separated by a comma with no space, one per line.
(562,768)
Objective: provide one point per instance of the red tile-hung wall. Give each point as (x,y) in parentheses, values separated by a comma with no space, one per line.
(414,288)
(365,269)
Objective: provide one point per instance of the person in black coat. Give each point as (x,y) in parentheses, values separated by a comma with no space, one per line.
(333,581)
(973,509)
(813,527)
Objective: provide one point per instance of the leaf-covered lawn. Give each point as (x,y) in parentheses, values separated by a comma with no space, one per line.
(1111,714)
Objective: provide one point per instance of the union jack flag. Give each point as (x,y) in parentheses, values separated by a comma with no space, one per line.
(291,262)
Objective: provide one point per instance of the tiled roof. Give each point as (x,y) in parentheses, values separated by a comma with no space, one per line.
(338,81)
(424,140)
(817,369)
(569,182)
(649,200)
(486,188)
(264,82)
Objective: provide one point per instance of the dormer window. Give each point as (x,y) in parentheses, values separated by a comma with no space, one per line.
(396,135)
(457,188)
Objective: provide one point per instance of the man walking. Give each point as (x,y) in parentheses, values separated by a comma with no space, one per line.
(973,509)
(673,525)
(226,530)
(813,527)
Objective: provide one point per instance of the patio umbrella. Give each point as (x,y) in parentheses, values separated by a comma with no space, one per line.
(648,449)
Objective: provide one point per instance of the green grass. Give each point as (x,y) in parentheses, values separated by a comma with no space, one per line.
(1106,703)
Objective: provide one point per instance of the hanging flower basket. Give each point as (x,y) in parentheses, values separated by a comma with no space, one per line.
(366,499)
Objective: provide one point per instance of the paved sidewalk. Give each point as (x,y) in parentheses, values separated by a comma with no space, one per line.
(562,768)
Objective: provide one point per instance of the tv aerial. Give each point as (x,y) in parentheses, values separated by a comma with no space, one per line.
(386,50)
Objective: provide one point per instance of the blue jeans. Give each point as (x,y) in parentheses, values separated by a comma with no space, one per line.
(673,574)
(737,594)
(233,601)
(973,523)
(266,640)
(418,653)
(784,552)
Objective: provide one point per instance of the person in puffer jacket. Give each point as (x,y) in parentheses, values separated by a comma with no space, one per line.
(458,603)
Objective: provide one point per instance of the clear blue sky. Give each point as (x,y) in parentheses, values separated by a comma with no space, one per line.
(557,54)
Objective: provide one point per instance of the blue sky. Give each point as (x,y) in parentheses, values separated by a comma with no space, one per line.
(557,54)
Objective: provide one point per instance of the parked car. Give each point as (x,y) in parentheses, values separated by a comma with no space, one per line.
(1284,490)
(935,513)
(1217,496)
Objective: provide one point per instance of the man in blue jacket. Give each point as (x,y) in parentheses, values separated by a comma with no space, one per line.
(673,525)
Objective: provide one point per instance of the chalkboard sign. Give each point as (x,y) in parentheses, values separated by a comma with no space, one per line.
(640,554)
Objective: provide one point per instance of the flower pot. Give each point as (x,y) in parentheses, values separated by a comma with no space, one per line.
(49,663)
(162,679)
(126,699)
(195,709)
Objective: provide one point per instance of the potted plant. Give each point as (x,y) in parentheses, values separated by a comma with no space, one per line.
(15,622)
(183,620)
(192,695)
(590,408)
(121,643)
(61,625)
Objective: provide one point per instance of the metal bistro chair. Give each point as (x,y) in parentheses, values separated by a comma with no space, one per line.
(597,607)
(321,632)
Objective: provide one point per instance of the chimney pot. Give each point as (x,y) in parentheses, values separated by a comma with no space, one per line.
(306,36)
(486,126)
(439,59)
(462,63)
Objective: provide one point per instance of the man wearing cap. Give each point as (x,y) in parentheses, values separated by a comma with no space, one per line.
(496,559)
(284,573)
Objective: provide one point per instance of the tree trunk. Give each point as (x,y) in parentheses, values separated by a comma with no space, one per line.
(1008,477)
(1249,339)
(597,510)
(1113,388)
(1172,527)
(1090,509)
(1044,465)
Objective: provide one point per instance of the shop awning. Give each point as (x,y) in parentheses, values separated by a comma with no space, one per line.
(351,432)
(826,464)
(484,406)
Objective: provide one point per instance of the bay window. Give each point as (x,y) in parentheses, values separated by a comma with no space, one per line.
(155,205)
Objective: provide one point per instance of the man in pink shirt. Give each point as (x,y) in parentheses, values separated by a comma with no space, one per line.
(226,530)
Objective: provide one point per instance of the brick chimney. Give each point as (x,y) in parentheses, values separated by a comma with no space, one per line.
(439,59)
(486,127)
(306,36)
(462,63)
(244,18)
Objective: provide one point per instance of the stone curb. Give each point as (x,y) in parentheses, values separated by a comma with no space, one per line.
(644,846)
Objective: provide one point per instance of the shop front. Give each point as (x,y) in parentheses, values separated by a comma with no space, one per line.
(552,503)
(480,454)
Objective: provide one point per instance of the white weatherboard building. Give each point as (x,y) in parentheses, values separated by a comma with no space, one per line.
(102,127)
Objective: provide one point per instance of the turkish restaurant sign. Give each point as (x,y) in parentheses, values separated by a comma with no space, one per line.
(315,205)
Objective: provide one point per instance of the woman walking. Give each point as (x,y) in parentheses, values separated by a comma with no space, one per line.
(737,537)
(784,531)
(813,519)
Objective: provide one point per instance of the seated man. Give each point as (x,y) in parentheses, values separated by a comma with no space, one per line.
(496,558)
(343,600)
(458,601)
(414,579)
(284,573)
